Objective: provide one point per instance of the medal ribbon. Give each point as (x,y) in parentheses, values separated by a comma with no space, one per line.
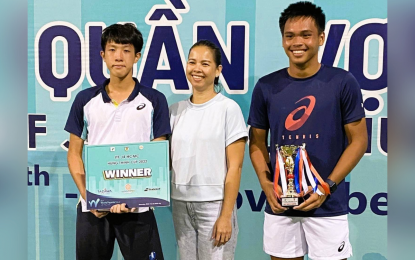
(297,171)
(276,174)
(309,167)
(308,171)
(282,174)
(301,161)
(303,181)
(279,171)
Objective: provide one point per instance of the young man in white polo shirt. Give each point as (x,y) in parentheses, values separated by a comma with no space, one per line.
(121,110)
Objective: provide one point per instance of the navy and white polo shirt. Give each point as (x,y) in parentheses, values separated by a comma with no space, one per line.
(313,111)
(143,116)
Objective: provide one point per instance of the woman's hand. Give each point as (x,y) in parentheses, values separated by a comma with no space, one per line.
(222,230)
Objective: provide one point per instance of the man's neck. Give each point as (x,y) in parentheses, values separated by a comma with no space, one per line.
(121,84)
(120,89)
(305,71)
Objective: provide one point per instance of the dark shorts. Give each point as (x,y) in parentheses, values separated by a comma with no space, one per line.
(136,234)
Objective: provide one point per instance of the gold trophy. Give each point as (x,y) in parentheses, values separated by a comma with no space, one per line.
(291,198)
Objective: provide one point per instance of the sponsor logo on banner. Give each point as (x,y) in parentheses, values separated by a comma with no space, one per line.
(358,202)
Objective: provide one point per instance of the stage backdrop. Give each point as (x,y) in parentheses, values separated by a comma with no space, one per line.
(64,45)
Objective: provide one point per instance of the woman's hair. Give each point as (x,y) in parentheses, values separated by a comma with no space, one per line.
(217,58)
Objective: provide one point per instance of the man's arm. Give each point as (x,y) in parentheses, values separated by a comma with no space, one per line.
(75,163)
(76,168)
(356,133)
(260,159)
(222,230)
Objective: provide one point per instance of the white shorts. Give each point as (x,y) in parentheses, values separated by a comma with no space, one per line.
(322,238)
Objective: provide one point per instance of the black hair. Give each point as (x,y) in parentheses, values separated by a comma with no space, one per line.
(304,9)
(122,34)
(217,57)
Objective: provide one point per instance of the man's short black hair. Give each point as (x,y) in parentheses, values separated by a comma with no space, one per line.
(122,34)
(304,9)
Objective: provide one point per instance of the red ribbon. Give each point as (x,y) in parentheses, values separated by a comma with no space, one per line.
(276,174)
(320,180)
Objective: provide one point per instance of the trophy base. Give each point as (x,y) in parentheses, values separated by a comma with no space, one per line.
(291,201)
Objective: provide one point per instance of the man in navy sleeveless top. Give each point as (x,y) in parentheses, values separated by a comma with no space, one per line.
(320,106)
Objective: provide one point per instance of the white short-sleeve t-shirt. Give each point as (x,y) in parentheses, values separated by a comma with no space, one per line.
(200,135)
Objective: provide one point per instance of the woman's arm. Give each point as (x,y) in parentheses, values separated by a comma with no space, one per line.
(222,230)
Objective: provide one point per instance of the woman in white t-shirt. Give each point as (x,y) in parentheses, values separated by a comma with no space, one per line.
(207,150)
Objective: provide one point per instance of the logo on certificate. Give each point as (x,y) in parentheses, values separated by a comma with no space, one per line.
(150,189)
(128,188)
(104,191)
(92,202)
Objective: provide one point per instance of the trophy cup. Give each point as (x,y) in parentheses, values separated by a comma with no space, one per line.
(291,198)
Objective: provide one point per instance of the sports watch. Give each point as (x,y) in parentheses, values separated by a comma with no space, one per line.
(332,185)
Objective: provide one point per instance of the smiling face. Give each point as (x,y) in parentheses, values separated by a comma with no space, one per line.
(201,68)
(301,40)
(120,59)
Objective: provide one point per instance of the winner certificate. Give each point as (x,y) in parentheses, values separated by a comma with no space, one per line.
(136,174)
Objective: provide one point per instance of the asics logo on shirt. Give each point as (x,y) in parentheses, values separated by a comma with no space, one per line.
(292,124)
(141,106)
(341,247)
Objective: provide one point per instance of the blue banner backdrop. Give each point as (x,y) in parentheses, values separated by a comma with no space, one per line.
(64,45)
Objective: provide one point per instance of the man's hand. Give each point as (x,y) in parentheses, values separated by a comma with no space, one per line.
(120,208)
(222,231)
(259,157)
(313,202)
(268,189)
(99,214)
